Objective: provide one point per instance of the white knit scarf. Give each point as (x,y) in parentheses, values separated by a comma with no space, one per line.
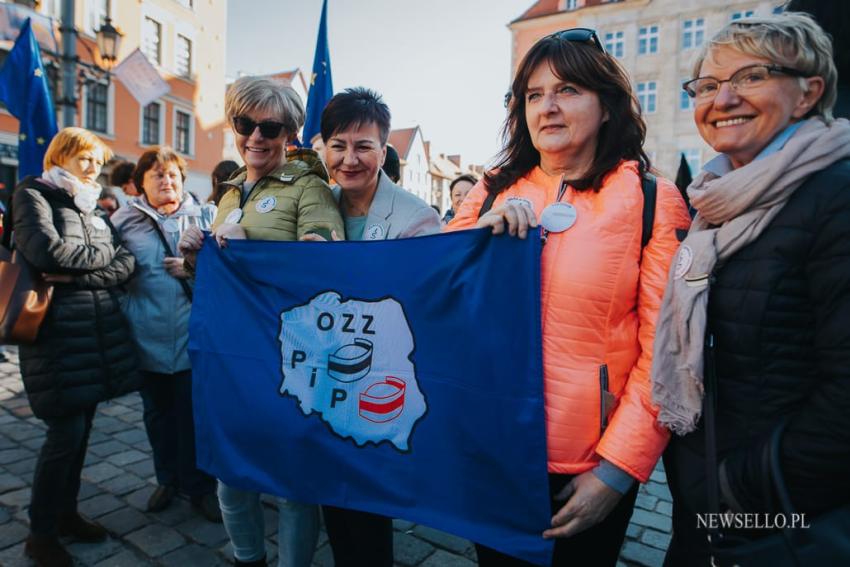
(85,194)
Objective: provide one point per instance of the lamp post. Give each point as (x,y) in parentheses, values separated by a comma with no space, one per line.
(75,73)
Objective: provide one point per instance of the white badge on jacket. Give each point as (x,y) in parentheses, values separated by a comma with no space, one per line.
(234,216)
(558,217)
(265,205)
(171,225)
(375,232)
(98,223)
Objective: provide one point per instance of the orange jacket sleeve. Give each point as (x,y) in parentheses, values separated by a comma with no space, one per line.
(467,216)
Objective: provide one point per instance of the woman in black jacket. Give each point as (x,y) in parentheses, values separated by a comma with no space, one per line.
(83,353)
(756,309)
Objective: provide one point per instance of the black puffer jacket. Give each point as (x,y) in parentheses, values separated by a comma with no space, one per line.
(83,353)
(780,313)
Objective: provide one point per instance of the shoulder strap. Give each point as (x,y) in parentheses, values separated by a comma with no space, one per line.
(183,283)
(649,186)
(487,205)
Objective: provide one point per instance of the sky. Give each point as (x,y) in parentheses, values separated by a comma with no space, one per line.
(441,64)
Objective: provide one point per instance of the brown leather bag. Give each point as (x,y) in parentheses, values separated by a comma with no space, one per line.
(24,299)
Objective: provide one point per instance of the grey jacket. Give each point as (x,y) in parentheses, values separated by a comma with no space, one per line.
(396,213)
(156,304)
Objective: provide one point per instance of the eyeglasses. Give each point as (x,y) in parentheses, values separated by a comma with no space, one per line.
(268,129)
(580,35)
(744,80)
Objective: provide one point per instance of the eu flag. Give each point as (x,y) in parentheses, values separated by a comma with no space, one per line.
(24,90)
(321,84)
(399,377)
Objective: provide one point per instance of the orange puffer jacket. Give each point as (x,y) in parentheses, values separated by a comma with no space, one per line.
(600,301)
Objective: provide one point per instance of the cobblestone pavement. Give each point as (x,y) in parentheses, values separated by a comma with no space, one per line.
(118,478)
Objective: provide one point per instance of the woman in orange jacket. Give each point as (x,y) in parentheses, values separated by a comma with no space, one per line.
(573,163)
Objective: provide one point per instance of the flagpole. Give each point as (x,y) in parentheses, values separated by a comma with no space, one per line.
(69,64)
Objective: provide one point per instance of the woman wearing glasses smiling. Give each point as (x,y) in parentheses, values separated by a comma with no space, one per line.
(573,162)
(756,309)
(275,196)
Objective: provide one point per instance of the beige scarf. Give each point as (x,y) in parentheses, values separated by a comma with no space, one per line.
(733,210)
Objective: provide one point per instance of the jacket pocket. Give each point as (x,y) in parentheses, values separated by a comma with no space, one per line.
(607,400)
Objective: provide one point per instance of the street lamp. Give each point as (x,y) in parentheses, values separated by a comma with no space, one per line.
(108,44)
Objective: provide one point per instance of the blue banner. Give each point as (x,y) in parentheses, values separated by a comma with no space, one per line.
(24,90)
(400,377)
(321,82)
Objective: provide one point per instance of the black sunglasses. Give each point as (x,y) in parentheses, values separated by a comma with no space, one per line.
(268,128)
(580,35)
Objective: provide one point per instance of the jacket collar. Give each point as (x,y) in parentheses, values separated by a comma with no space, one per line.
(189,207)
(380,210)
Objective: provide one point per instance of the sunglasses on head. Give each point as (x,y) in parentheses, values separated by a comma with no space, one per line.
(580,35)
(268,128)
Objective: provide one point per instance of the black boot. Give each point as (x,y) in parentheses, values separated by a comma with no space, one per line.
(81,529)
(46,551)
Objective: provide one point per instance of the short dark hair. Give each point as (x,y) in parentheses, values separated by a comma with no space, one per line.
(222,172)
(355,108)
(620,137)
(392,165)
(157,156)
(122,173)
(465,177)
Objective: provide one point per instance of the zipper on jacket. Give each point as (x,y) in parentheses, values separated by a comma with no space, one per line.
(98,319)
(604,398)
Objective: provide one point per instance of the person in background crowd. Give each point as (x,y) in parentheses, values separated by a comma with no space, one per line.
(122,178)
(220,174)
(107,201)
(574,162)
(276,196)
(392,165)
(158,305)
(763,279)
(459,188)
(82,354)
(355,127)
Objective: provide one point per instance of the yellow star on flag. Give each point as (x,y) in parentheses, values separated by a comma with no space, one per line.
(23,137)
(312,79)
(39,141)
(38,72)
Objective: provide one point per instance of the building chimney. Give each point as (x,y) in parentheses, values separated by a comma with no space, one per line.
(455,159)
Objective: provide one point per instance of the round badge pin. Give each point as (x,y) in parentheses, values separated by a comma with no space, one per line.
(558,217)
(85,201)
(171,225)
(98,223)
(265,205)
(234,216)
(683,262)
(375,232)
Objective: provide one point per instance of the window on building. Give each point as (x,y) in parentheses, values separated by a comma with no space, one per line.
(647,94)
(647,40)
(693,32)
(97,107)
(184,56)
(615,44)
(183,132)
(152,41)
(685,101)
(571,5)
(186,3)
(52,8)
(742,14)
(694,159)
(97,11)
(151,120)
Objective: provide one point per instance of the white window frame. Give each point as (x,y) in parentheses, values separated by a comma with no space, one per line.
(177,47)
(93,17)
(647,91)
(161,52)
(161,136)
(617,42)
(570,5)
(741,14)
(188,111)
(684,96)
(692,30)
(647,33)
(110,110)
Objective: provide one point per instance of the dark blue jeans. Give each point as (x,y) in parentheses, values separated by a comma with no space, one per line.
(56,479)
(171,430)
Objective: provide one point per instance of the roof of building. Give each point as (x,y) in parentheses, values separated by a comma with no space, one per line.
(543,8)
(441,166)
(402,139)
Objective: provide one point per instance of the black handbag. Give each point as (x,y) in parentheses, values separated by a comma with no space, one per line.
(819,541)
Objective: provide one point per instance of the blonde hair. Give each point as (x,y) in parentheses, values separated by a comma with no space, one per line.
(249,94)
(70,142)
(790,39)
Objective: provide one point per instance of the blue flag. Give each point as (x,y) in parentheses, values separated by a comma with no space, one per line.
(399,377)
(321,84)
(24,91)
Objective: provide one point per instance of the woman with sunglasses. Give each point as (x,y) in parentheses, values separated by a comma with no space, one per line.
(277,195)
(573,163)
(753,332)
